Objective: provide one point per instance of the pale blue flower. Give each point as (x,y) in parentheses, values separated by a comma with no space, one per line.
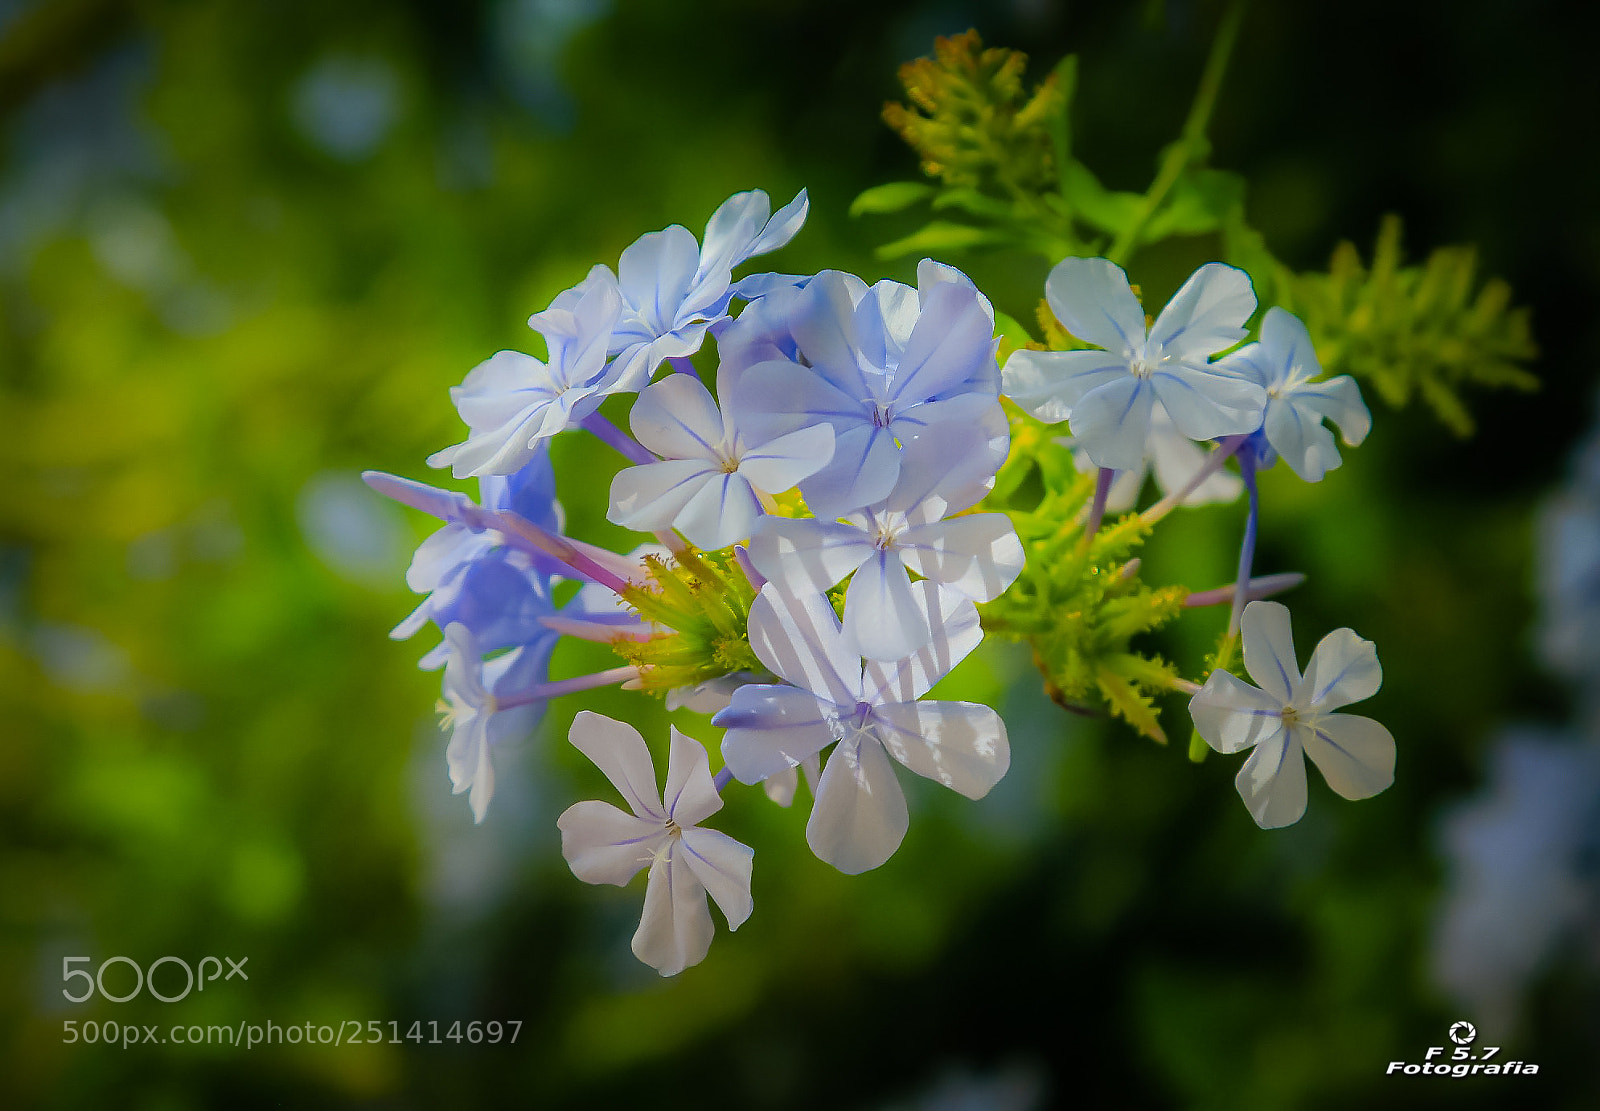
(1284,363)
(710,484)
(882,366)
(604,844)
(1109,394)
(674,289)
(975,555)
(472,709)
(1290,714)
(869,713)
(513,402)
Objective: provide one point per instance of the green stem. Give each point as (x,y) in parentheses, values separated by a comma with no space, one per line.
(1191,141)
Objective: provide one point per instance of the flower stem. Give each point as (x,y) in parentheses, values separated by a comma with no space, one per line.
(568,686)
(1247,550)
(1191,145)
(529,533)
(724,777)
(682,364)
(1097,508)
(600,632)
(1264,586)
(617,438)
(1213,464)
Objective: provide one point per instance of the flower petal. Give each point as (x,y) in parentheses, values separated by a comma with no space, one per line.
(1273,781)
(722,511)
(864,467)
(799,639)
(771,729)
(977,555)
(655,272)
(1297,434)
(1207,314)
(960,744)
(1176,459)
(1048,383)
(603,844)
(1232,715)
(951,349)
(1204,405)
(675,930)
(859,817)
(1112,422)
(802,552)
(1092,298)
(618,750)
(1354,754)
(1343,669)
(722,865)
(678,418)
(882,617)
(1269,650)
(780,464)
(650,497)
(956,632)
(691,795)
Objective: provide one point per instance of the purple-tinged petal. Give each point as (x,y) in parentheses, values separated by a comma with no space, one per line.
(655,273)
(443,504)
(951,349)
(723,512)
(864,468)
(780,229)
(956,632)
(772,728)
(1205,405)
(781,464)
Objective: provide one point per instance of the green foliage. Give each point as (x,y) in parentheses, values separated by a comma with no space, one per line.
(700,602)
(1079,603)
(1424,330)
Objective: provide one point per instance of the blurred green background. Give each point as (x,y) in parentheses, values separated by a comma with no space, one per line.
(245,248)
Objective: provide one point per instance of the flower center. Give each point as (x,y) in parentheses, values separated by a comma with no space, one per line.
(881,415)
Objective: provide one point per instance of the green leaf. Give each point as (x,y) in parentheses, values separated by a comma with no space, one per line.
(1066,74)
(976,203)
(1199,203)
(1093,203)
(892,197)
(1013,336)
(941,235)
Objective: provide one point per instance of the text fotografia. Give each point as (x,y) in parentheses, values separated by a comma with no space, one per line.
(1463,1060)
(145,978)
(249,1035)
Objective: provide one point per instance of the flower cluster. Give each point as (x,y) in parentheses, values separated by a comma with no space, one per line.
(828,535)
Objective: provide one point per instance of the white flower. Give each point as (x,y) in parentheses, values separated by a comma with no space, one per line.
(1290,714)
(710,484)
(1174,458)
(604,844)
(1284,362)
(473,691)
(1109,394)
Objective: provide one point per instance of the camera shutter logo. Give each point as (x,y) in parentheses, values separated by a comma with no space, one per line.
(1462,1033)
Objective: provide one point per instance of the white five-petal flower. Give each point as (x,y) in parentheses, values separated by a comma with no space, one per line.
(859,817)
(1109,394)
(604,844)
(1292,713)
(710,484)
(1284,363)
